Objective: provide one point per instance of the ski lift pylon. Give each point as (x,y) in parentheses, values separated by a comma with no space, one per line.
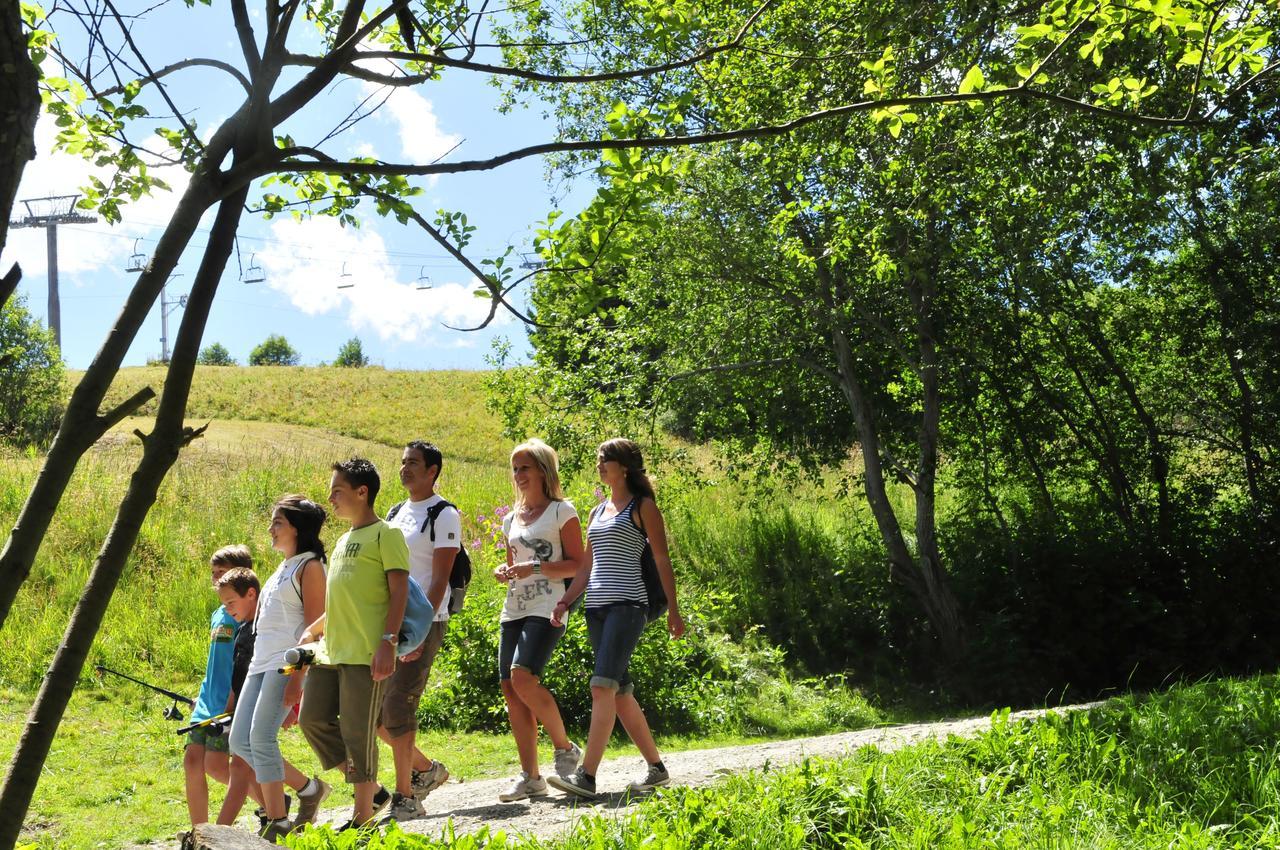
(137,260)
(424,280)
(253,273)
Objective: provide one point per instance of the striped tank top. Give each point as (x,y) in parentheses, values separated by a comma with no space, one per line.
(616,545)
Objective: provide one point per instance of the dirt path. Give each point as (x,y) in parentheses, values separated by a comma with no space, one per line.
(475,804)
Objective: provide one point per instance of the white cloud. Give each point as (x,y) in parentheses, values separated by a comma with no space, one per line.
(421,139)
(86,249)
(305,261)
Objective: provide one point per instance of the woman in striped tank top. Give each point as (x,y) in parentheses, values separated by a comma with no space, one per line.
(616,610)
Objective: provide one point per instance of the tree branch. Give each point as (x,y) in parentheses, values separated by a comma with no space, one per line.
(244,31)
(125,408)
(186,63)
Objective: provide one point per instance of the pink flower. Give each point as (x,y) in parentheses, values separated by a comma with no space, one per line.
(475,544)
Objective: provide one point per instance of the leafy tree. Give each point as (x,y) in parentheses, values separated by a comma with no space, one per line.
(734,64)
(351,354)
(216,355)
(275,350)
(31,377)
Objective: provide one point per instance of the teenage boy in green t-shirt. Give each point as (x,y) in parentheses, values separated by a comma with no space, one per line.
(367,586)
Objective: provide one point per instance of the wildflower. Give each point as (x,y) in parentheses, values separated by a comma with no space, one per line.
(599,494)
(475,544)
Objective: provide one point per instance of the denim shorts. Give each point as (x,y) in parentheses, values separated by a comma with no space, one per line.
(527,643)
(614,631)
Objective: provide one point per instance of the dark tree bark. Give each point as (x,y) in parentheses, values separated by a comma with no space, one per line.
(161,449)
(19,107)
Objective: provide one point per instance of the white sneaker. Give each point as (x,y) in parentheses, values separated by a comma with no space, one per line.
(567,760)
(523,788)
(406,808)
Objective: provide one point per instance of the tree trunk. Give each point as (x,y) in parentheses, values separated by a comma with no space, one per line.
(160,451)
(923,578)
(82,424)
(19,107)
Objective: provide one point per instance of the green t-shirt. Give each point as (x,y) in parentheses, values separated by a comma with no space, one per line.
(357,593)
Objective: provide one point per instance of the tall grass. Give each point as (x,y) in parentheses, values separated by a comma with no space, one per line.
(1193,769)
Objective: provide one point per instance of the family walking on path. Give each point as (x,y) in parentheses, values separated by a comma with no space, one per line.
(342,643)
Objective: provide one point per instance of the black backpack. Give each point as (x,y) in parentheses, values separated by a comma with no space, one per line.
(657,597)
(460,575)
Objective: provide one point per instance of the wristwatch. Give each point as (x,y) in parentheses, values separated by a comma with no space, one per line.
(537,567)
(391,638)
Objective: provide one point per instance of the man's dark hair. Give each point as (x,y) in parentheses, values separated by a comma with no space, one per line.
(430,455)
(359,472)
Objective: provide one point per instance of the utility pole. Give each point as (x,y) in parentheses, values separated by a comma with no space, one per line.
(49,213)
(167,307)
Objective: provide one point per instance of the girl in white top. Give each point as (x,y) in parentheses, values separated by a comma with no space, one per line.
(292,598)
(544,552)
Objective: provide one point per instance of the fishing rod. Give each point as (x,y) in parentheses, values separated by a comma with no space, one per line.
(170,713)
(221,720)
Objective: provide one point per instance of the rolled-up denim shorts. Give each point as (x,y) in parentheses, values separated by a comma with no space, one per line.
(527,643)
(614,631)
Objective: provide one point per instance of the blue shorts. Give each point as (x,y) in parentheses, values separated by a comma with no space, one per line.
(614,631)
(527,643)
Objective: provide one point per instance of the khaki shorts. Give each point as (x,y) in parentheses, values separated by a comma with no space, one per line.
(339,718)
(404,688)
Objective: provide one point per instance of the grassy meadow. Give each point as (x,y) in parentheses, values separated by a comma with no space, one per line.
(273,431)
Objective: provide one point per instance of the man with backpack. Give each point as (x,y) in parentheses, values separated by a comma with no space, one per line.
(432,528)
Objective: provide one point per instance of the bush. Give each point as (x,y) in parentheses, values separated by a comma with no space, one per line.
(351,354)
(31,376)
(216,355)
(275,350)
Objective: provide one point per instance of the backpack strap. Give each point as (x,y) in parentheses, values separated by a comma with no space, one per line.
(433,512)
(395,509)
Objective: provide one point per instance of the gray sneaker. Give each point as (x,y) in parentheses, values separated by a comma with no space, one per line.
(426,781)
(567,760)
(580,785)
(523,788)
(655,777)
(274,830)
(405,808)
(309,804)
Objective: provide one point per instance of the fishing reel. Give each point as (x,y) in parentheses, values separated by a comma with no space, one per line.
(172,713)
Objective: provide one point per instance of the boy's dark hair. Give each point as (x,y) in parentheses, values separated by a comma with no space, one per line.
(235,555)
(241,580)
(359,472)
(430,455)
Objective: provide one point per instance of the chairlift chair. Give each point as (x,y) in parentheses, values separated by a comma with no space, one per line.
(424,281)
(253,273)
(344,279)
(137,260)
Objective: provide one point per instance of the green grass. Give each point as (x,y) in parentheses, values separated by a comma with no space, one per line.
(114,776)
(1194,768)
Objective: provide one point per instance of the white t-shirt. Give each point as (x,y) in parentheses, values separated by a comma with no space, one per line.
(410,520)
(537,595)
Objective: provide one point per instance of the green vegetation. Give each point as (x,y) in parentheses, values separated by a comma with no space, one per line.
(31,377)
(1194,768)
(351,354)
(216,354)
(275,350)
(703,690)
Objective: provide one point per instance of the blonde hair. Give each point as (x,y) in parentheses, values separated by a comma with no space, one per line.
(548,462)
(236,555)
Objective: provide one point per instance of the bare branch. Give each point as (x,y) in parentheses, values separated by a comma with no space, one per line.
(186,63)
(244,31)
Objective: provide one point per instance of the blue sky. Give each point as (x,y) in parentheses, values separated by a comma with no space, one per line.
(399,324)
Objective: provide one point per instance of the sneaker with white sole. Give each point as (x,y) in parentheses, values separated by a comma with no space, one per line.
(381,798)
(309,804)
(567,760)
(655,777)
(426,781)
(579,784)
(405,808)
(523,788)
(274,830)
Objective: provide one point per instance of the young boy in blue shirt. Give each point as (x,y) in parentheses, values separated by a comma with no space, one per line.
(207,751)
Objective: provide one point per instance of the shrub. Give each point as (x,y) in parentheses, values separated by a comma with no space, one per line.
(275,350)
(351,354)
(31,376)
(216,355)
